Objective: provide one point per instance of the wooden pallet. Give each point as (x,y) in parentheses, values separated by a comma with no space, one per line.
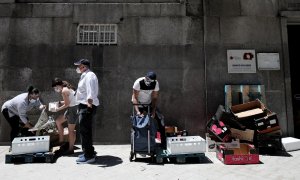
(180,158)
(47,157)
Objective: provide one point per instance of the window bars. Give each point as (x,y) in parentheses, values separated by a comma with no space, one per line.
(95,34)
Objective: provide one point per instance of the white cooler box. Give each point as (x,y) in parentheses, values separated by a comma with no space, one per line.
(186,145)
(34,144)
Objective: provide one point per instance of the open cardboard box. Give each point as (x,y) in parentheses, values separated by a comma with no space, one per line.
(247,113)
(246,135)
(250,109)
(245,154)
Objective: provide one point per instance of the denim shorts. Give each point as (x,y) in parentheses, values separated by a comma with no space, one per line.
(71,115)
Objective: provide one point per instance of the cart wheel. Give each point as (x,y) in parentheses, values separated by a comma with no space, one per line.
(131,156)
(180,160)
(159,160)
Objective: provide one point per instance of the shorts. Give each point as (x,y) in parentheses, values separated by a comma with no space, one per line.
(71,115)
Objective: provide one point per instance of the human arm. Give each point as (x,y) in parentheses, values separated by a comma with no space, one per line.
(154,97)
(135,95)
(91,88)
(21,108)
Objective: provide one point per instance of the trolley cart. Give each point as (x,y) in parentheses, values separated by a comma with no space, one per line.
(143,133)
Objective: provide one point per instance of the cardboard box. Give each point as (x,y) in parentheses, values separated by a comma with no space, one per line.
(171,129)
(267,123)
(228,118)
(219,129)
(269,143)
(247,112)
(246,154)
(269,130)
(246,135)
(210,143)
(252,109)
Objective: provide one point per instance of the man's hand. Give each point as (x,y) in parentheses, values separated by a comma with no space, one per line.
(90,103)
(140,114)
(28,125)
(42,107)
(153,115)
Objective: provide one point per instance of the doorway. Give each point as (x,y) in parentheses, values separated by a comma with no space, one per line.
(294,54)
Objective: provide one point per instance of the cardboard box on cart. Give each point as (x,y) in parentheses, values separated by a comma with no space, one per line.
(246,154)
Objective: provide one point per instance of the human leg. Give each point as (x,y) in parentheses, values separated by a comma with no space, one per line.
(72,117)
(13,122)
(85,125)
(59,123)
(72,136)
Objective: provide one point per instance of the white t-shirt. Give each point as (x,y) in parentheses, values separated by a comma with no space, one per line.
(144,90)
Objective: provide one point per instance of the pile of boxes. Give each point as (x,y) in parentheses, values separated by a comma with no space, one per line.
(252,123)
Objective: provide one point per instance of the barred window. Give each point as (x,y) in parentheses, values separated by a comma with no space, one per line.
(95,34)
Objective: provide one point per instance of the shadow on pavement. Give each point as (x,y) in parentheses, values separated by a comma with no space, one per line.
(108,161)
(275,153)
(172,160)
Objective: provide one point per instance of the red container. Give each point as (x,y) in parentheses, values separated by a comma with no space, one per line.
(246,154)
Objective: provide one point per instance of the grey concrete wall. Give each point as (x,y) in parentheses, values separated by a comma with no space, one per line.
(245,24)
(185,42)
(38,43)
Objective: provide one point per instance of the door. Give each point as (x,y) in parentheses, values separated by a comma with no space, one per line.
(294,54)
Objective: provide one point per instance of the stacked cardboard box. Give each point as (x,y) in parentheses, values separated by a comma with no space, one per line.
(255,116)
(251,123)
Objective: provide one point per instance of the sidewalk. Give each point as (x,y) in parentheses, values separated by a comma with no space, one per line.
(113,163)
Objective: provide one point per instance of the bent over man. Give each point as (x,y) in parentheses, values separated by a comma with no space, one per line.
(145,91)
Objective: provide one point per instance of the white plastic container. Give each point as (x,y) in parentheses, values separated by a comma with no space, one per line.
(186,145)
(34,144)
(53,106)
(291,143)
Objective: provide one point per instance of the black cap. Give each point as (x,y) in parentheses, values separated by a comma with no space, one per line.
(83,61)
(151,75)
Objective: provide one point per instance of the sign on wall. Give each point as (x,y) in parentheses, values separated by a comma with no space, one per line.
(268,61)
(241,61)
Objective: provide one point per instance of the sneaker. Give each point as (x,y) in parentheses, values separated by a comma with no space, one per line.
(84,160)
(81,155)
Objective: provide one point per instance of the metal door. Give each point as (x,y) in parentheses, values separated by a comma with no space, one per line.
(294,54)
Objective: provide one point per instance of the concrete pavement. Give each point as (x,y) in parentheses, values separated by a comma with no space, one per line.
(113,163)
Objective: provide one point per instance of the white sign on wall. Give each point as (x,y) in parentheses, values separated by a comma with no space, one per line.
(241,61)
(268,61)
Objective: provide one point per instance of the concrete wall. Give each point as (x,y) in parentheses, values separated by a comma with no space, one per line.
(185,42)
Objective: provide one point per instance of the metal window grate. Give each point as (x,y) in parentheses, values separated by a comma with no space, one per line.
(95,34)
